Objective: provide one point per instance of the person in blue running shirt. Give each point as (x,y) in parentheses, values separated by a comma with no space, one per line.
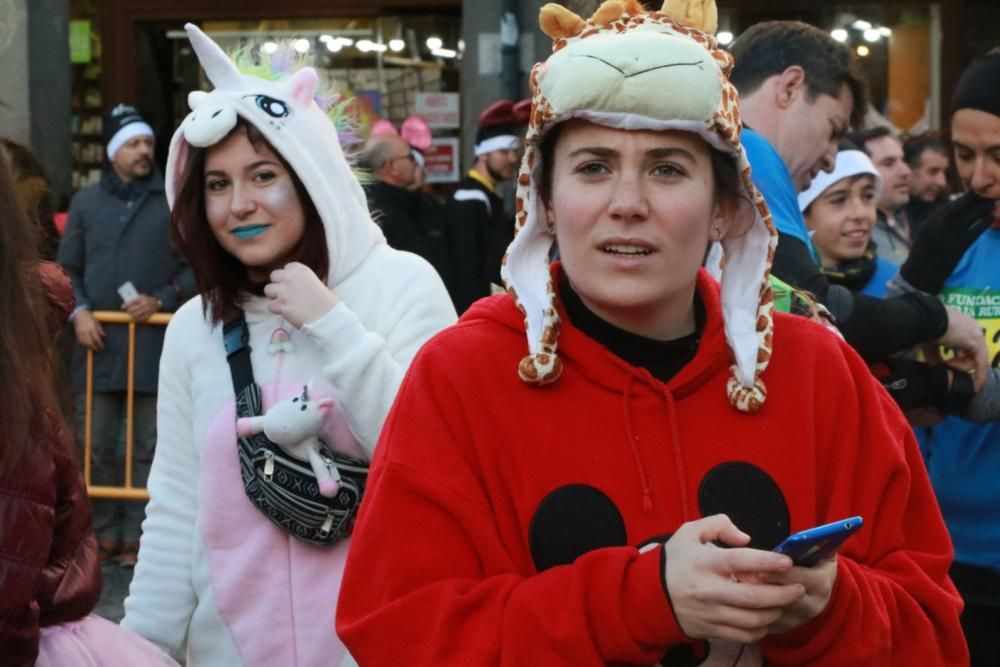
(955,256)
(800,91)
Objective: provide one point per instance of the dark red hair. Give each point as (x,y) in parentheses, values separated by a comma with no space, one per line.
(29,409)
(222,279)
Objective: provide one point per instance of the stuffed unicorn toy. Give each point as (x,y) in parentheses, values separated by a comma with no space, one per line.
(294,424)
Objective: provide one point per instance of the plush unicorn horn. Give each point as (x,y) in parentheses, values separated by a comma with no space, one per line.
(218,67)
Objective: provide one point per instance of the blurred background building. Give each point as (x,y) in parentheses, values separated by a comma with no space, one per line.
(66,60)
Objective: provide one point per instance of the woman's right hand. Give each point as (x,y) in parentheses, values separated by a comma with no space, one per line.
(715,592)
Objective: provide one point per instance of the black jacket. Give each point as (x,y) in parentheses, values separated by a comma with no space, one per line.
(478,234)
(411,221)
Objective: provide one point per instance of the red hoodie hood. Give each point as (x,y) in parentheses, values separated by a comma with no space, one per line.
(601,365)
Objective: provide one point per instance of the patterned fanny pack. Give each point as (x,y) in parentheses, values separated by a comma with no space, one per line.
(283,487)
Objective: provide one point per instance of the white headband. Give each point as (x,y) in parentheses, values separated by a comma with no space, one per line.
(502,142)
(849,163)
(130,131)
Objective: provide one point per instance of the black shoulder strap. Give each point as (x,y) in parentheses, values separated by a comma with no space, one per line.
(236,337)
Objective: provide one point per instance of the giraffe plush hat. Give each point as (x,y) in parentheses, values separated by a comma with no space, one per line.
(629,69)
(286,113)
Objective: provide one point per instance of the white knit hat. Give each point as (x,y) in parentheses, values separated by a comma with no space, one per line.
(629,69)
(849,163)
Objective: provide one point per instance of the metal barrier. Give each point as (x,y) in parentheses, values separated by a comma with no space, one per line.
(127,492)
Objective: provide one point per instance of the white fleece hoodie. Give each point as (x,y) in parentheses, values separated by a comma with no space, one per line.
(216,577)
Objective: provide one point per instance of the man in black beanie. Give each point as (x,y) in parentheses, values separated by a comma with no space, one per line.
(116,249)
(957,256)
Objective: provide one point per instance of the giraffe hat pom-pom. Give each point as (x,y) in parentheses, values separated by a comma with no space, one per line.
(622,68)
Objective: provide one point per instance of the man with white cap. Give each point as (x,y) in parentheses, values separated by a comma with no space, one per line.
(116,249)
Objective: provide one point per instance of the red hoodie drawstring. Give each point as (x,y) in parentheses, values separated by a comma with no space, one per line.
(647,496)
(678,455)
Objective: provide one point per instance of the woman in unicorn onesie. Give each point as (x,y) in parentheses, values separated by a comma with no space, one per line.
(276,228)
(565,498)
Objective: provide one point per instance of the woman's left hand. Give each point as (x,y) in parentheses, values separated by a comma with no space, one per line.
(818,581)
(298,295)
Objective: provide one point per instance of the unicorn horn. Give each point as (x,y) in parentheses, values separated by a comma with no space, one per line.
(220,69)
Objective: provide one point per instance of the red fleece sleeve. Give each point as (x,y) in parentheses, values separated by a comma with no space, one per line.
(893,603)
(429,580)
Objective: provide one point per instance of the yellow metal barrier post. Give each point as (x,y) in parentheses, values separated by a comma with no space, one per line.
(126,492)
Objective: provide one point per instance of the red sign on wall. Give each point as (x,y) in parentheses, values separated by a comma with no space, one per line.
(442,160)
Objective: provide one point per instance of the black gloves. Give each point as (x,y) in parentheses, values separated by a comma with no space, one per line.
(913,384)
(943,239)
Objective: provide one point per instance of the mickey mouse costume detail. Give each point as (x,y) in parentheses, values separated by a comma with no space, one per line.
(525,501)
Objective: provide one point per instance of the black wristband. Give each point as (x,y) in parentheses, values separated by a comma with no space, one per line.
(959,394)
(913,384)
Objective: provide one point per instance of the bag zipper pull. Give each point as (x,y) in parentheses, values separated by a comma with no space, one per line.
(324,530)
(268,465)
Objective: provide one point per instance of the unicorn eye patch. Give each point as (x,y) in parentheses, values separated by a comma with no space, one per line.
(271,106)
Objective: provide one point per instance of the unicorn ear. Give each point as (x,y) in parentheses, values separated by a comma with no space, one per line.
(700,14)
(556,21)
(220,69)
(303,85)
(195,97)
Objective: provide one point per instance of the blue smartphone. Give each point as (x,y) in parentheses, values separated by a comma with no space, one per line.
(808,547)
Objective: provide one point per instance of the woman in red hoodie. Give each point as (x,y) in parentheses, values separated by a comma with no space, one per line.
(615,499)
(50,575)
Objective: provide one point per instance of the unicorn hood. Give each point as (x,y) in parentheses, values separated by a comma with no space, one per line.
(286,115)
(635,70)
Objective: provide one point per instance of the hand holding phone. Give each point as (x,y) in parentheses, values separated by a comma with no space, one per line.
(808,547)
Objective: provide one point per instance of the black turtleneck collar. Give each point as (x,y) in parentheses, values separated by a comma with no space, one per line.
(662,358)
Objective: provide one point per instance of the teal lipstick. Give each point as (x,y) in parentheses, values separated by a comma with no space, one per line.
(249,231)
